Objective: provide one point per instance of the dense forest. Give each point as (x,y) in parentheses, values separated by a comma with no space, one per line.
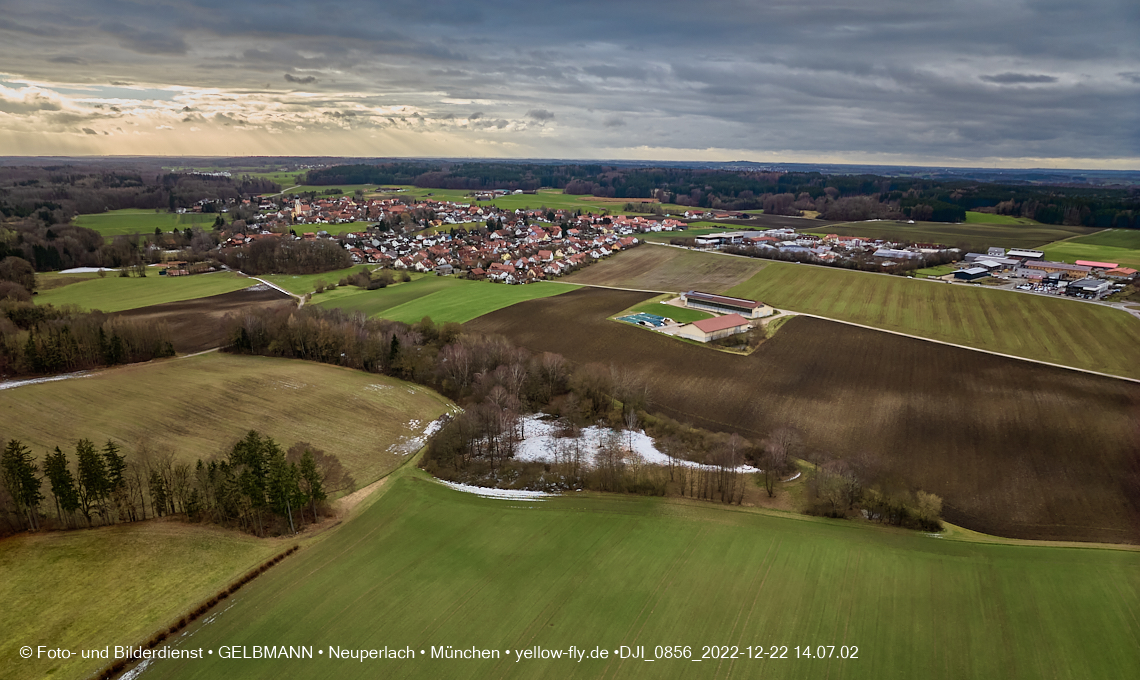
(44,340)
(257,486)
(840,197)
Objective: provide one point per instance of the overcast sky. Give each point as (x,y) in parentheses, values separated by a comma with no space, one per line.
(1052,83)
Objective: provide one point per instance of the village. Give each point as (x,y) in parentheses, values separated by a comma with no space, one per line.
(479,242)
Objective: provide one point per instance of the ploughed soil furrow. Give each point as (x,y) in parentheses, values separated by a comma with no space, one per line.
(198,325)
(1014,449)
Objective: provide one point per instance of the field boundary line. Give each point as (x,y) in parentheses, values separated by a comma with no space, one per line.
(972,349)
(631,290)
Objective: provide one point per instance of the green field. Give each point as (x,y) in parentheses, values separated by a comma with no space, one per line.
(344,189)
(299,284)
(936,271)
(111,586)
(424,566)
(969,235)
(986,218)
(1121,246)
(549,198)
(114,293)
(144,222)
(443,298)
(198,406)
(679,314)
(1049,329)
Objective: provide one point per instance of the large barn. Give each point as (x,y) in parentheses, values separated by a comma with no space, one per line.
(721,304)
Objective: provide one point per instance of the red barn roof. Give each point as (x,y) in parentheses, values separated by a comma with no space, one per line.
(721,323)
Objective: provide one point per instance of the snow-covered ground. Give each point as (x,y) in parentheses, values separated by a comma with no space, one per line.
(36,381)
(86,270)
(420,434)
(541,444)
(502,494)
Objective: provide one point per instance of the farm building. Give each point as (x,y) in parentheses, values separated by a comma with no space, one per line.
(1090,287)
(1020,254)
(971,274)
(1098,265)
(1121,273)
(720,304)
(707,330)
(1069,271)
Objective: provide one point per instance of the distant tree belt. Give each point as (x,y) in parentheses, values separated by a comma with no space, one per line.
(839,197)
(286,256)
(43,339)
(257,487)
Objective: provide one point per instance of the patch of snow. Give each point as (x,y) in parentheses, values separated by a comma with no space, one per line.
(36,381)
(377,387)
(86,270)
(540,444)
(793,477)
(416,441)
(260,287)
(501,494)
(137,670)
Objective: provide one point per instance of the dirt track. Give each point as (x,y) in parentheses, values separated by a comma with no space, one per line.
(1015,449)
(197,324)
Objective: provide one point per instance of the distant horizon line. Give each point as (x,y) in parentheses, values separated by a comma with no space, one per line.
(576,161)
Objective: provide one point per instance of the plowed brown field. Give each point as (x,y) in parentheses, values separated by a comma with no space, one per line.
(1015,449)
(654,267)
(198,325)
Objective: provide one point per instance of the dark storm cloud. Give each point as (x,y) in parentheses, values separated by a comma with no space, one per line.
(146,41)
(968,79)
(1018,78)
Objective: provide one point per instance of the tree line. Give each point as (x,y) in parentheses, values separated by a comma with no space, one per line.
(257,487)
(287,256)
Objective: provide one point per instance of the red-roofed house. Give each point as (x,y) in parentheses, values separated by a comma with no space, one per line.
(707,330)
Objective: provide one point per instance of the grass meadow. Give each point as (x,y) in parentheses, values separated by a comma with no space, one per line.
(1121,246)
(443,298)
(1056,330)
(299,284)
(110,586)
(679,314)
(988,218)
(549,198)
(139,221)
(198,406)
(114,293)
(426,566)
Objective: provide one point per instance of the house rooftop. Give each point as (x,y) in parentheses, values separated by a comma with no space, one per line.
(721,323)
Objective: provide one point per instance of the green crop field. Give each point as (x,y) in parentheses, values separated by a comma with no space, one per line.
(424,566)
(443,298)
(111,586)
(1121,246)
(299,284)
(974,236)
(114,293)
(139,221)
(1050,329)
(198,406)
(987,218)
